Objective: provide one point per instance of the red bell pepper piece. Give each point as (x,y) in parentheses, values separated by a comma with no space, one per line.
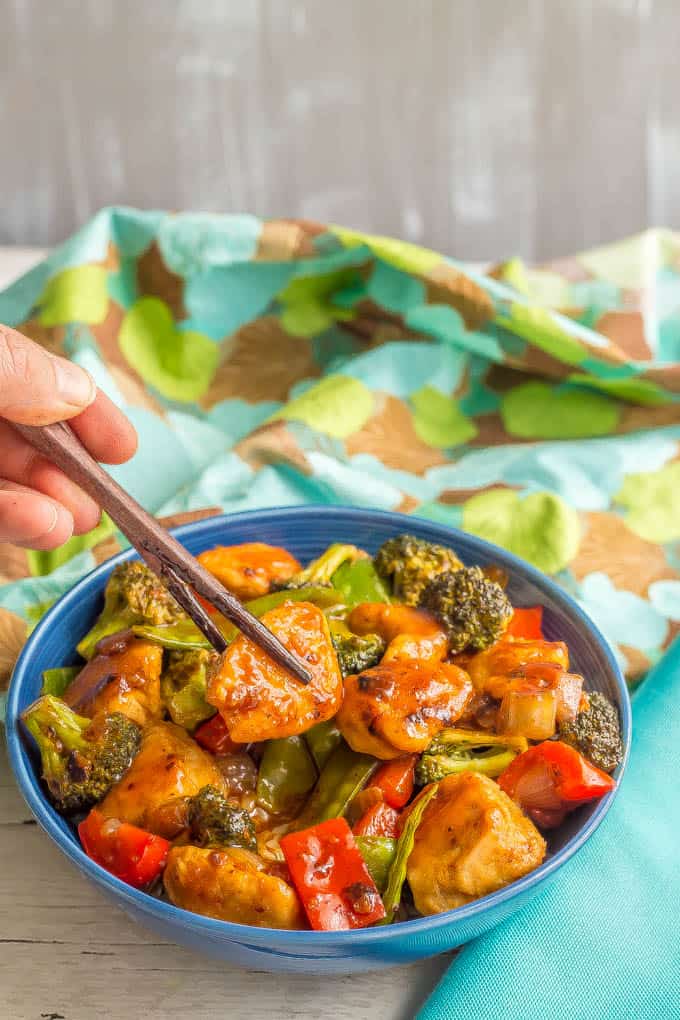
(527,624)
(551,779)
(131,854)
(208,606)
(331,877)
(379,820)
(396,780)
(213,735)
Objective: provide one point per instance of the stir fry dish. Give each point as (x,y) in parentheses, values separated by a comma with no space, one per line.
(439,742)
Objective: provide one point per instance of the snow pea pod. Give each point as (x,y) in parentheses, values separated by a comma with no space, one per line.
(184,634)
(344,774)
(397,873)
(108,623)
(181,636)
(378,852)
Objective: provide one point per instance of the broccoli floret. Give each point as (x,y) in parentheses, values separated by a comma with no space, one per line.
(134,586)
(214,822)
(184,684)
(81,758)
(134,595)
(357,652)
(474,611)
(409,564)
(458,750)
(321,570)
(596,733)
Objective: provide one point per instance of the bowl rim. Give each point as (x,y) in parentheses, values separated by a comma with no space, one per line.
(168,913)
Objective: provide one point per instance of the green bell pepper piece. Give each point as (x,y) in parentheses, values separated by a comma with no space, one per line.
(397,874)
(358,582)
(378,852)
(322,740)
(287,774)
(344,774)
(55,681)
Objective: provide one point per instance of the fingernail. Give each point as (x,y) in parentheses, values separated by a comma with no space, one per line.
(75,386)
(55,518)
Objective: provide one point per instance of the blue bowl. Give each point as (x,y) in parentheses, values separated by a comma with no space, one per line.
(306,531)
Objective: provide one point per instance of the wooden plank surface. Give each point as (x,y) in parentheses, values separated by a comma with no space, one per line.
(66,951)
(477,127)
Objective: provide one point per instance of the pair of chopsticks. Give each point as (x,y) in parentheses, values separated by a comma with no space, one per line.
(176,567)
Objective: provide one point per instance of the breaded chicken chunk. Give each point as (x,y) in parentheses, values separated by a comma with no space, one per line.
(472,840)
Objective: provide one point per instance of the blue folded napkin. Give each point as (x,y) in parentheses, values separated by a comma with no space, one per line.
(603,941)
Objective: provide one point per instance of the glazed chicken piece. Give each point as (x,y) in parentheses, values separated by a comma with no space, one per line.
(249,570)
(410,633)
(472,840)
(396,708)
(168,768)
(124,677)
(260,700)
(490,670)
(230,885)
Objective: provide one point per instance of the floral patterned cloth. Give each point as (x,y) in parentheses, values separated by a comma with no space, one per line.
(281,362)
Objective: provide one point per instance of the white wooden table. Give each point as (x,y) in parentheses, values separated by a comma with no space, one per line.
(65,952)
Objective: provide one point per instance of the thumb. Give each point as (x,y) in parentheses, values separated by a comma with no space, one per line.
(37,388)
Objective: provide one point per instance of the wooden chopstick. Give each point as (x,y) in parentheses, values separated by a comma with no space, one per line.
(164,555)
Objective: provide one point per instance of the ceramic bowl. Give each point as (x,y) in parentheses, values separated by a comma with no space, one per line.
(306,531)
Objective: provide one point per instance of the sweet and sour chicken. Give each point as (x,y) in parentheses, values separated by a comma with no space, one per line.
(439,741)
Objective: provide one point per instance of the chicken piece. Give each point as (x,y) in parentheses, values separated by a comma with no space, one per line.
(231,885)
(410,633)
(472,840)
(396,708)
(169,768)
(260,700)
(249,570)
(490,670)
(125,677)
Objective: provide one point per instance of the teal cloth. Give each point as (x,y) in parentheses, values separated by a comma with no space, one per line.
(603,941)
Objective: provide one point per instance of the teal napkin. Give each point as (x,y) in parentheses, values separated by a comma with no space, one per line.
(603,941)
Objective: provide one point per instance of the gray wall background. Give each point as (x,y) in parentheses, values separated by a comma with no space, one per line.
(479,127)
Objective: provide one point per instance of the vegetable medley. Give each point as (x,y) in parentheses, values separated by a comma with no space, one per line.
(439,741)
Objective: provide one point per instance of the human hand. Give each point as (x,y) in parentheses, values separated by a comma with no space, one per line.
(39,506)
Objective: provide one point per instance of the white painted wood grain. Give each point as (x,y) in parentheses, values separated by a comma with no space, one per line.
(478,127)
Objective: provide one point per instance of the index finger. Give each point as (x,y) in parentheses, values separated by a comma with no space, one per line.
(105,431)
